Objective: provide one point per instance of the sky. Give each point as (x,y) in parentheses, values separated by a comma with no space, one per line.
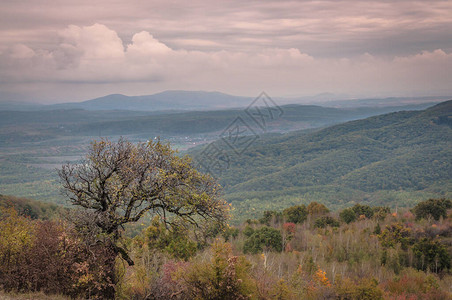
(59,51)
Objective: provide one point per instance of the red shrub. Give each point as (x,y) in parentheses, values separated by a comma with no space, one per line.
(289,227)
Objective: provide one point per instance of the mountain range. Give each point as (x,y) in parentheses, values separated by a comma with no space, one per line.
(201,100)
(167,100)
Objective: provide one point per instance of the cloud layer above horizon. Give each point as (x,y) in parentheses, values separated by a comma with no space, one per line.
(52,51)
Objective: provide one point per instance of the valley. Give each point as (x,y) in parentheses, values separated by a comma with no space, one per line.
(291,160)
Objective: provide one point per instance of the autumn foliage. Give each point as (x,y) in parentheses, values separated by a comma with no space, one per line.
(382,256)
(49,257)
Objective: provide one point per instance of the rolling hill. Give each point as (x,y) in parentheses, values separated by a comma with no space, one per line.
(392,159)
(397,158)
(18,127)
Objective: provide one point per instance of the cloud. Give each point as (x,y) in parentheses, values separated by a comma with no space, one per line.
(320,28)
(96,58)
(63,50)
(20,51)
(144,43)
(94,42)
(96,53)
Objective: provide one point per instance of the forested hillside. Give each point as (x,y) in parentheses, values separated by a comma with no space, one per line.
(34,143)
(392,159)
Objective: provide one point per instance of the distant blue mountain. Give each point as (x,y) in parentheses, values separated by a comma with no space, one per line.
(168,100)
(177,100)
(20,106)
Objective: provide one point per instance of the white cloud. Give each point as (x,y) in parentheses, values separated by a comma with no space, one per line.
(93,56)
(95,42)
(144,43)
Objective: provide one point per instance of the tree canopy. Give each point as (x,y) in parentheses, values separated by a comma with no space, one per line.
(435,208)
(119,182)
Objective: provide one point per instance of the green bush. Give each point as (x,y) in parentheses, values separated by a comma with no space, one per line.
(296,214)
(174,242)
(347,215)
(223,277)
(315,208)
(351,214)
(394,234)
(431,255)
(325,221)
(248,231)
(362,289)
(270,215)
(434,208)
(365,210)
(265,238)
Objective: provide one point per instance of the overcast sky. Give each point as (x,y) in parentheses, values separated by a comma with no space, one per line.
(58,50)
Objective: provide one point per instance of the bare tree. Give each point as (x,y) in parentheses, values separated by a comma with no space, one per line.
(119,182)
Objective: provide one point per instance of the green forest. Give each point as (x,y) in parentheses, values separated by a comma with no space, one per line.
(33,144)
(394,159)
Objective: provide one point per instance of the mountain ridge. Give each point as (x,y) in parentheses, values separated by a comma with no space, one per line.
(403,154)
(203,100)
(171,99)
